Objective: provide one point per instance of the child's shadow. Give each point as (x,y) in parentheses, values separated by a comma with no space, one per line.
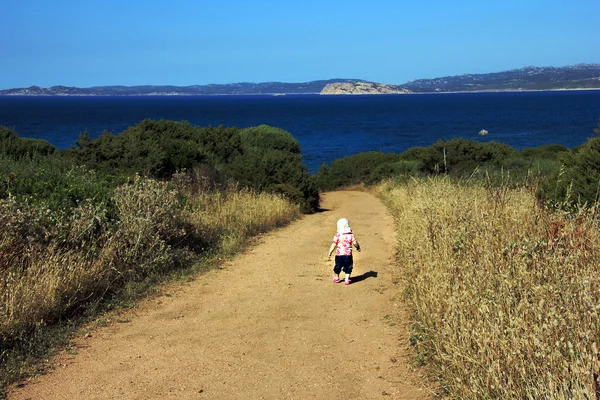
(358,278)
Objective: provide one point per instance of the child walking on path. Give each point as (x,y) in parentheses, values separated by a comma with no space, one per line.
(342,244)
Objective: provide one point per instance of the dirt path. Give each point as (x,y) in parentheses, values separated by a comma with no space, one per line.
(270,325)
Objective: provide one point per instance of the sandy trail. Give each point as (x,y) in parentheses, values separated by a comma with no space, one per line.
(270,325)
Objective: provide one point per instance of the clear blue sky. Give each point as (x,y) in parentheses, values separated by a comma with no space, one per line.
(185,42)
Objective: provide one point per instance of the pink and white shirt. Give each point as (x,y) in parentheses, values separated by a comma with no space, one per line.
(343,242)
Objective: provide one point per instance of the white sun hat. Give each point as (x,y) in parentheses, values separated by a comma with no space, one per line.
(343,226)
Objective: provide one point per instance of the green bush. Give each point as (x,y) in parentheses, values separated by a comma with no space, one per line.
(220,145)
(460,157)
(353,169)
(152,148)
(578,181)
(13,146)
(270,160)
(551,151)
(394,169)
(54,182)
(414,153)
(268,137)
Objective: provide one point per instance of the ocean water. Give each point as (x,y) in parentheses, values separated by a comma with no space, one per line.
(327,127)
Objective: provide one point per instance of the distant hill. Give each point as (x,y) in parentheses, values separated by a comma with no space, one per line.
(580,76)
(313,87)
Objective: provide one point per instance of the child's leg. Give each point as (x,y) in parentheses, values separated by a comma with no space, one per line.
(337,268)
(348,269)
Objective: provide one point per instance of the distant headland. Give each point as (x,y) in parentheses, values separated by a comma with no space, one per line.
(363,88)
(580,76)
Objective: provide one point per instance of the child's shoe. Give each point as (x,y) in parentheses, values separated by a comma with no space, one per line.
(336,280)
(348,281)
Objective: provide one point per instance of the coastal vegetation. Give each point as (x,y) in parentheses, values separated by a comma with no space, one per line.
(85,229)
(561,177)
(15,147)
(497,248)
(263,157)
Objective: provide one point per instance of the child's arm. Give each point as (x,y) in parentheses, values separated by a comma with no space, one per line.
(331,249)
(355,243)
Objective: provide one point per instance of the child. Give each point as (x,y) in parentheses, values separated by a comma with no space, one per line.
(342,244)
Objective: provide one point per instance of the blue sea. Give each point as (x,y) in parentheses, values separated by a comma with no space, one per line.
(327,127)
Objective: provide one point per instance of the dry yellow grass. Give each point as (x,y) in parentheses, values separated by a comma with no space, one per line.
(41,281)
(231,217)
(505,295)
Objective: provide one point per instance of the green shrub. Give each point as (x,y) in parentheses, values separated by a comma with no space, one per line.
(13,146)
(394,169)
(460,157)
(54,182)
(414,153)
(271,161)
(159,148)
(578,181)
(152,148)
(268,137)
(220,145)
(551,151)
(353,169)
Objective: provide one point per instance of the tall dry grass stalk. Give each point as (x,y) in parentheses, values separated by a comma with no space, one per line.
(505,295)
(227,219)
(46,275)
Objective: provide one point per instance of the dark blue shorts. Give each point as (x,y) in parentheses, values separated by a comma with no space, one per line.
(343,263)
